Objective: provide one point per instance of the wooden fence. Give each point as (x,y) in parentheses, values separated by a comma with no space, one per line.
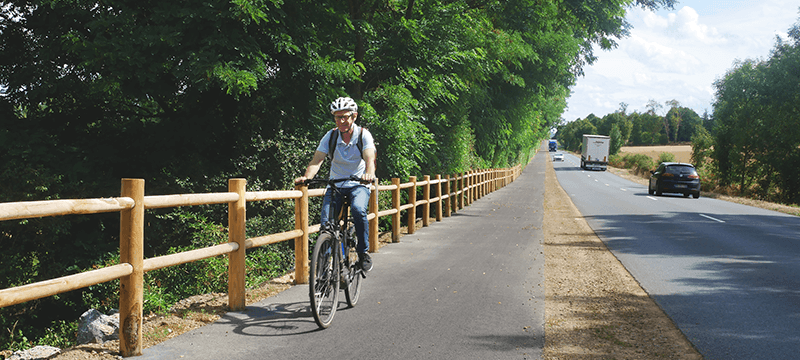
(452,193)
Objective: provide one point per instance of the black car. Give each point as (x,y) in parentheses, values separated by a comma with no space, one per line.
(673,177)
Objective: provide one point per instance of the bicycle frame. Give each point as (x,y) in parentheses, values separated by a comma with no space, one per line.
(338,224)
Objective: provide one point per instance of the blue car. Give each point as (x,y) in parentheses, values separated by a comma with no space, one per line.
(673,177)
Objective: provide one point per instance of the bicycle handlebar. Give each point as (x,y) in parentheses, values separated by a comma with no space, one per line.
(334,181)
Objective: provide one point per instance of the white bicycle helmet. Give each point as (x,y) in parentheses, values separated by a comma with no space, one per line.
(343,103)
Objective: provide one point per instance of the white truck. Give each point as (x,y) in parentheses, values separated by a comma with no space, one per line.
(594,152)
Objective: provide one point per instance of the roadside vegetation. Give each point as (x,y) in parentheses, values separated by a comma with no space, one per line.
(190,94)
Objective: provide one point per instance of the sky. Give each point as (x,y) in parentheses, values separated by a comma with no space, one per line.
(678,54)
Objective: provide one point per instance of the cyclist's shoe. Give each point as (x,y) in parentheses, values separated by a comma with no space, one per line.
(365,261)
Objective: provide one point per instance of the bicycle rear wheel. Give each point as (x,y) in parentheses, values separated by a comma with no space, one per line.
(352,278)
(323,282)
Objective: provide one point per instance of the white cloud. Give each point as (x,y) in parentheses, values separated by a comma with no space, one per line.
(678,54)
(686,24)
(659,56)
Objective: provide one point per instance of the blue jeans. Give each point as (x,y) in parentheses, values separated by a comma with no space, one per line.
(359,209)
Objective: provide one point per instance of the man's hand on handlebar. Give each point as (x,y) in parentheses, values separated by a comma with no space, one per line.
(368,178)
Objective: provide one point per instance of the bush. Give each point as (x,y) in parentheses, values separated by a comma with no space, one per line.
(708,180)
(616,160)
(666,157)
(640,164)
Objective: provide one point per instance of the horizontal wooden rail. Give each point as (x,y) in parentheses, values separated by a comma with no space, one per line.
(20,294)
(188,256)
(446,195)
(387,212)
(34,209)
(166,201)
(273,238)
(272,195)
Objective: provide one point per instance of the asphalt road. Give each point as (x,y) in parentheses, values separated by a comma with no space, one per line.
(727,274)
(468,287)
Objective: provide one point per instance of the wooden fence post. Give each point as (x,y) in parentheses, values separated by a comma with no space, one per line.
(396,215)
(461,190)
(426,197)
(448,207)
(439,195)
(483,184)
(454,189)
(412,199)
(482,181)
(480,184)
(489,181)
(373,224)
(471,186)
(494,180)
(236,234)
(131,287)
(465,189)
(301,242)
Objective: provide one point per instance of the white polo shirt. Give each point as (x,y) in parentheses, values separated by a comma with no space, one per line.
(347,160)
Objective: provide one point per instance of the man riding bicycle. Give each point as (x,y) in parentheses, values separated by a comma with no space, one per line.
(352,152)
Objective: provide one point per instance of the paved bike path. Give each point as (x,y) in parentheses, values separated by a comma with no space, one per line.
(468,287)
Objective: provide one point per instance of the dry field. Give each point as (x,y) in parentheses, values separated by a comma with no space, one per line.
(683,153)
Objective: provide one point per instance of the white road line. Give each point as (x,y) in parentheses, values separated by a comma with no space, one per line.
(709,217)
(652,198)
(623,189)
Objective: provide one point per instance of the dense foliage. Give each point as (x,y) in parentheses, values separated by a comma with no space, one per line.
(189,94)
(756,140)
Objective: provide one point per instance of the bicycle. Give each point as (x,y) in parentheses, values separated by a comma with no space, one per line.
(330,270)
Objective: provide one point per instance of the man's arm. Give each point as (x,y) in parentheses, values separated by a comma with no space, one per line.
(369,158)
(313,167)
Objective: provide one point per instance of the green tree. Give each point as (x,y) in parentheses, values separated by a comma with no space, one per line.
(571,134)
(647,128)
(737,107)
(616,139)
(756,136)
(702,143)
(683,123)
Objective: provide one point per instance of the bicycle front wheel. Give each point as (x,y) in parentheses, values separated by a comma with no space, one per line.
(323,281)
(353,278)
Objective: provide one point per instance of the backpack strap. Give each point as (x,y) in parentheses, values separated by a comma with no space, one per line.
(334,138)
(360,142)
(332,142)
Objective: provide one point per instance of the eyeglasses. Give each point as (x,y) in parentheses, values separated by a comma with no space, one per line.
(340,117)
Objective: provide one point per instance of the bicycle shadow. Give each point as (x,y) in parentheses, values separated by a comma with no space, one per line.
(275,319)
